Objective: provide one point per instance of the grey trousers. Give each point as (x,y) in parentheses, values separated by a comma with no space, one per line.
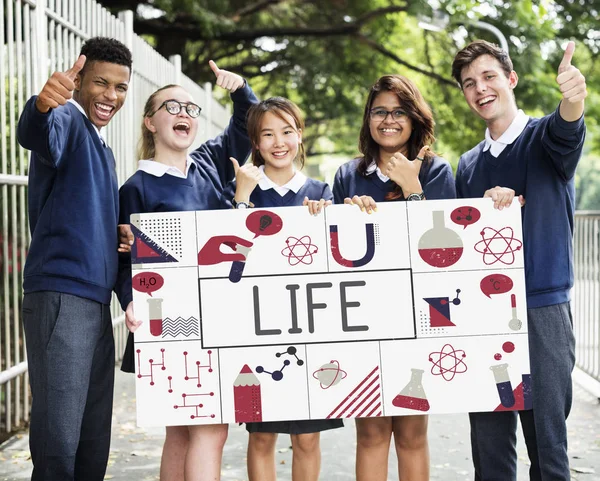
(70,352)
(493,435)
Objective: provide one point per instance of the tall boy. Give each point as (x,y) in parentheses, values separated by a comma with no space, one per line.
(72,262)
(535,159)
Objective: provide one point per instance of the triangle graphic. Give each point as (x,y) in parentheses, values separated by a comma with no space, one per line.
(146,251)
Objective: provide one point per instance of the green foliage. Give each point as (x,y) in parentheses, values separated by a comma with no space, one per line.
(325,54)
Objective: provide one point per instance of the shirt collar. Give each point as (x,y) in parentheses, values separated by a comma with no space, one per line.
(374,168)
(508,137)
(294,184)
(158,169)
(80,108)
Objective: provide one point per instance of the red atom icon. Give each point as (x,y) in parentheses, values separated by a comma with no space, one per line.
(299,250)
(448,362)
(500,246)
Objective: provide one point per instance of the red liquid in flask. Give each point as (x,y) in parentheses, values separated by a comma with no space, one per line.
(440,246)
(440,256)
(156,326)
(410,402)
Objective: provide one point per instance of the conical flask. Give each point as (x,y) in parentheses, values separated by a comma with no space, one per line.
(440,246)
(413,394)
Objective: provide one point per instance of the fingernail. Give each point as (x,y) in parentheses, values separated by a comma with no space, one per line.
(362,208)
(375,209)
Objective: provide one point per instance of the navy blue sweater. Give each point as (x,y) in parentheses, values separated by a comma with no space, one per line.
(435,177)
(73,204)
(209,172)
(313,189)
(540,165)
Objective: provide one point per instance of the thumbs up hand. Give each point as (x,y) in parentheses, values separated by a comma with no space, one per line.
(59,87)
(572,85)
(228,80)
(247,178)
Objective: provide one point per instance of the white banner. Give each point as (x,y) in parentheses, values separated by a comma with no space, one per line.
(274,314)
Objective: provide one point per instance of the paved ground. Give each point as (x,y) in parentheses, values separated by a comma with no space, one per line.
(135,453)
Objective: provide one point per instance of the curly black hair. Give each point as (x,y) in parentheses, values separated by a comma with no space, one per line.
(104,49)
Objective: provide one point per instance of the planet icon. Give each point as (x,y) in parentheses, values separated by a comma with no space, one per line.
(329,374)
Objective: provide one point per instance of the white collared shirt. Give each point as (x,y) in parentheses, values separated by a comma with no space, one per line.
(158,169)
(294,184)
(80,108)
(508,137)
(374,168)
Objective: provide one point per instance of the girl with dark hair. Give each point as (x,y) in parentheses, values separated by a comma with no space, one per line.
(169,179)
(396,164)
(275,128)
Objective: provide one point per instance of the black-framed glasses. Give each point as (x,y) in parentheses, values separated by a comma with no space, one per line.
(380,115)
(174,107)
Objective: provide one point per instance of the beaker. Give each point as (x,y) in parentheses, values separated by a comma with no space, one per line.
(503,384)
(155,315)
(413,394)
(440,246)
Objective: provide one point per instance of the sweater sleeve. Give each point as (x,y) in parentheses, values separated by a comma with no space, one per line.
(563,141)
(45,134)
(233,142)
(130,202)
(439,183)
(460,194)
(327,194)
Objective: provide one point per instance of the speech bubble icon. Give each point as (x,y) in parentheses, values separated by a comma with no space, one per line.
(263,222)
(147,282)
(495,284)
(465,215)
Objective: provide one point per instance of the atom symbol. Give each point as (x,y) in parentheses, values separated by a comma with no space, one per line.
(329,374)
(449,362)
(299,250)
(501,244)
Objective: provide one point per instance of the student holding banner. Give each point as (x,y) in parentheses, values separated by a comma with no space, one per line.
(275,128)
(536,159)
(397,127)
(169,180)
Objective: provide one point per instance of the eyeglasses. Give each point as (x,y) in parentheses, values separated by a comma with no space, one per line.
(174,107)
(380,115)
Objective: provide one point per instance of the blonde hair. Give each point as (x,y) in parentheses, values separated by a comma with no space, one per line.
(146,147)
(277,106)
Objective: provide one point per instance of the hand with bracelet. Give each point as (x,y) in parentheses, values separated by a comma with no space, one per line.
(405,173)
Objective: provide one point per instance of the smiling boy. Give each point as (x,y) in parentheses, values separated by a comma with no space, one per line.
(72,262)
(535,159)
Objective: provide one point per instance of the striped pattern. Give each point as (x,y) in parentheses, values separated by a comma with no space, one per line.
(363,401)
(180,327)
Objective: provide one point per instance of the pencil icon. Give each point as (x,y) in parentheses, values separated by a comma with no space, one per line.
(247,397)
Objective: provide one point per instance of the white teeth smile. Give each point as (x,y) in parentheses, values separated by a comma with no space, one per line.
(182,127)
(279,154)
(389,130)
(103,110)
(486,100)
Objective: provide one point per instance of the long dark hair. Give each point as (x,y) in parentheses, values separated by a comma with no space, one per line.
(413,103)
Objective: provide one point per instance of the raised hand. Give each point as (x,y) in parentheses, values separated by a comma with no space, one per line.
(59,87)
(247,178)
(572,86)
(405,172)
(228,80)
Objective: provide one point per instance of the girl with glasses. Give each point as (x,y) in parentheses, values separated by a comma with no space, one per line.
(170,179)
(396,164)
(275,128)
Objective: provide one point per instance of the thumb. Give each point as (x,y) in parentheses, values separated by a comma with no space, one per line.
(213,66)
(236,165)
(305,201)
(76,68)
(565,63)
(422,152)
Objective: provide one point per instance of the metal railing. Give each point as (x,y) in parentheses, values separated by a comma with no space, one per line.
(37,38)
(586,292)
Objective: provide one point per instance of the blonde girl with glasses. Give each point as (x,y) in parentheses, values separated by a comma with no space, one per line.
(396,164)
(170,179)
